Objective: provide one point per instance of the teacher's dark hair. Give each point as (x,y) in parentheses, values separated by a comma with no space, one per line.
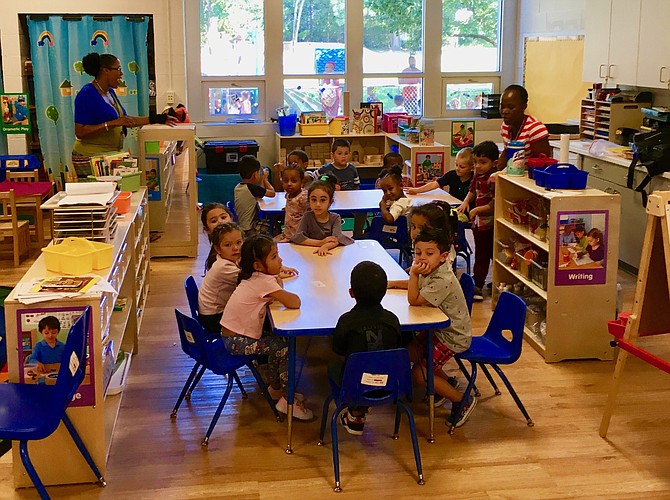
(521,91)
(94,62)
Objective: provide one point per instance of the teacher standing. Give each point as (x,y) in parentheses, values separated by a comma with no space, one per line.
(518,126)
(101,122)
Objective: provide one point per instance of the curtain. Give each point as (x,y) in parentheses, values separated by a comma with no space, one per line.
(57,46)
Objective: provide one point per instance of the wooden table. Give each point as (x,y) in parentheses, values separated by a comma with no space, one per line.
(323,286)
(361,200)
(34,193)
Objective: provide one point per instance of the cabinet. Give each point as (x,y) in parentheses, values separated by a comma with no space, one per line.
(422,163)
(173,192)
(601,119)
(653,63)
(93,412)
(611,41)
(559,287)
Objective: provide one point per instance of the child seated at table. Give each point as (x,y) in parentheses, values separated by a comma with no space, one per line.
(296,200)
(219,283)
(391,159)
(295,157)
(394,203)
(244,316)
(48,352)
(366,327)
(212,215)
(254,186)
(432,282)
(318,227)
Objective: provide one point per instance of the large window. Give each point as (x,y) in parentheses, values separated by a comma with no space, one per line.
(232,38)
(470,36)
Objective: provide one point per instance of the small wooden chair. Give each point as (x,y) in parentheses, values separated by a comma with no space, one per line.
(12,227)
(23,176)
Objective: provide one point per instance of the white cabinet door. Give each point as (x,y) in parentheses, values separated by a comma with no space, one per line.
(596,40)
(653,66)
(623,42)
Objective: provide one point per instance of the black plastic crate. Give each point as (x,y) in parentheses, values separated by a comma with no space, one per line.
(222,157)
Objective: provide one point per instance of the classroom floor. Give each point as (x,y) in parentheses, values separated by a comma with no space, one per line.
(494,455)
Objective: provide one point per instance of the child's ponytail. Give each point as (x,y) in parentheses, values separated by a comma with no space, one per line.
(325,181)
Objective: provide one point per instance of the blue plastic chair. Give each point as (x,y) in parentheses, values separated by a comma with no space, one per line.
(468,286)
(392,236)
(215,357)
(392,363)
(230,205)
(494,349)
(462,247)
(199,368)
(31,412)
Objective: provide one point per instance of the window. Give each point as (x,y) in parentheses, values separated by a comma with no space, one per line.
(232,38)
(314,95)
(470,36)
(313,37)
(462,96)
(398,95)
(392,34)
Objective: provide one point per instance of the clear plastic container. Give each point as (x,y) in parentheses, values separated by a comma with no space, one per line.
(504,252)
(537,226)
(516,211)
(524,265)
(539,274)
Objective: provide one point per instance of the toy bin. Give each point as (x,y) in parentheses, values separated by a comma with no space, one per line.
(561,176)
(504,252)
(77,256)
(538,274)
(314,128)
(524,265)
(122,202)
(541,162)
(222,157)
(516,211)
(538,226)
(130,182)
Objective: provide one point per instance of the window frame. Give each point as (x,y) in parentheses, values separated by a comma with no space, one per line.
(493,78)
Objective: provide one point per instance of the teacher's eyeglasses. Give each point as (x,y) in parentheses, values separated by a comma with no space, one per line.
(118,68)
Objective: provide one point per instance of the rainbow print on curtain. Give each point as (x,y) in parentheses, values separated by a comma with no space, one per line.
(57,46)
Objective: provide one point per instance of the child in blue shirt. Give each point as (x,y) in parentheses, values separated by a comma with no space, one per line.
(49,350)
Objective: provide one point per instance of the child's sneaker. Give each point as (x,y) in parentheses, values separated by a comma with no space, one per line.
(478,296)
(353,425)
(467,410)
(299,410)
(441,400)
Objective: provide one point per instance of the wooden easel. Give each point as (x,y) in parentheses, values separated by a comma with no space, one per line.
(652,299)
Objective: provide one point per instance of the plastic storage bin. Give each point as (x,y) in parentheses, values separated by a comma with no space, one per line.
(516,211)
(524,265)
(504,252)
(77,256)
(538,274)
(314,128)
(561,176)
(130,182)
(122,202)
(538,226)
(541,162)
(287,124)
(222,157)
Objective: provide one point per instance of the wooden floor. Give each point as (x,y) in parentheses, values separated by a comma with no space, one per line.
(495,455)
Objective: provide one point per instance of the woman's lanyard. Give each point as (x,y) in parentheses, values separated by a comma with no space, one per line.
(518,132)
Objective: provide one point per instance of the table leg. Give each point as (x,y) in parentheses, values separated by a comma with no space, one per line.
(290,390)
(430,386)
(39,221)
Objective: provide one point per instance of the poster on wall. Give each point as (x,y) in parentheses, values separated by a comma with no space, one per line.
(42,333)
(462,135)
(581,247)
(15,115)
(153,179)
(429,166)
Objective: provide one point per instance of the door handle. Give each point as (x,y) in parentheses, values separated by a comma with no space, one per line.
(600,71)
(609,71)
(660,75)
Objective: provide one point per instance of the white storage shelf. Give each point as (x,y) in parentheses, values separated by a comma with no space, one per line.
(94,423)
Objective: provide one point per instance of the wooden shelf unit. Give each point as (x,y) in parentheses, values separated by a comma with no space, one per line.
(573,330)
(601,119)
(177,188)
(56,457)
(411,151)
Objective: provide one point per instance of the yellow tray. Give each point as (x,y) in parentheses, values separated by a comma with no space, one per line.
(77,256)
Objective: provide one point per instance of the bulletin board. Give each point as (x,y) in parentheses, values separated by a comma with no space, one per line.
(552,74)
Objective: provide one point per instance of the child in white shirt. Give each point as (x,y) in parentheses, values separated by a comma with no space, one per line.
(394,203)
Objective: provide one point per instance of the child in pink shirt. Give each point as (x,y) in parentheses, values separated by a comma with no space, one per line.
(297,204)
(243,318)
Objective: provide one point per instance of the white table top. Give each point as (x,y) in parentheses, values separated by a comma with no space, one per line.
(362,200)
(323,287)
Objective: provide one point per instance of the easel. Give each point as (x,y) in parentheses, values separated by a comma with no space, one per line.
(652,299)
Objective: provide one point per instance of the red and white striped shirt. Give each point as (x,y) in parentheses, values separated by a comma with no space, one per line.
(532,130)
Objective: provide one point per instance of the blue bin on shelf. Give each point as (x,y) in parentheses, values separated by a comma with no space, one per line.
(287,124)
(561,176)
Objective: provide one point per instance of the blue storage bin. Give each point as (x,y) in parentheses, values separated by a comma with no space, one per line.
(561,176)
(19,162)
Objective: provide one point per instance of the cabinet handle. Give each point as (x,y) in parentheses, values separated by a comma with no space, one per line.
(609,70)
(614,191)
(660,74)
(596,167)
(600,71)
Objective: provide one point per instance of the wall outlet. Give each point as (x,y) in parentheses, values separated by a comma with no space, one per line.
(170,98)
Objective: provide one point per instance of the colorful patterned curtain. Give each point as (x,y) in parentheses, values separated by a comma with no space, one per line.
(57,46)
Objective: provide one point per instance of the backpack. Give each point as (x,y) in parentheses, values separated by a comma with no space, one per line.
(651,149)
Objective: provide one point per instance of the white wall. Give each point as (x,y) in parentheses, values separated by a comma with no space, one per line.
(168,17)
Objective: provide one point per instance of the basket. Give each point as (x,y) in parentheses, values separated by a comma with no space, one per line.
(122,202)
(561,176)
(314,128)
(130,182)
(540,162)
(77,256)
